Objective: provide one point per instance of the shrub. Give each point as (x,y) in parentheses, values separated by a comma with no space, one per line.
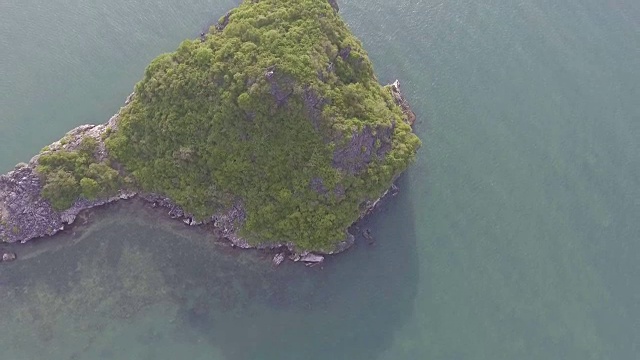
(70,174)
(90,188)
(255,112)
(61,189)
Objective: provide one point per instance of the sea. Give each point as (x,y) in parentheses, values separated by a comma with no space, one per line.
(515,235)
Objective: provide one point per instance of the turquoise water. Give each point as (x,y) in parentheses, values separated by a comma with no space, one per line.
(515,236)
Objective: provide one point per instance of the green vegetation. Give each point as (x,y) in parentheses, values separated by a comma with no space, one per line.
(258,112)
(69,175)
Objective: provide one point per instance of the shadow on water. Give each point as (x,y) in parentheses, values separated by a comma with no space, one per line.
(104,278)
(347,310)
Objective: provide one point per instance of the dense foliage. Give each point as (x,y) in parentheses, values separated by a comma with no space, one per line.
(256,112)
(71,174)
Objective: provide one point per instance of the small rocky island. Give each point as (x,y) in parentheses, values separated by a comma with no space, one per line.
(272,128)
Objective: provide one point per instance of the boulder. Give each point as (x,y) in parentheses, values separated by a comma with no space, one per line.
(311,258)
(8,256)
(278,259)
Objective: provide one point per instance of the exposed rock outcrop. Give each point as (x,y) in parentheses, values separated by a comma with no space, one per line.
(362,148)
(278,259)
(225,21)
(282,86)
(371,143)
(334,5)
(313,105)
(402,102)
(24,214)
(307,258)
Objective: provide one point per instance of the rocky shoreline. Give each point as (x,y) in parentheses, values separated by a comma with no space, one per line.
(25,215)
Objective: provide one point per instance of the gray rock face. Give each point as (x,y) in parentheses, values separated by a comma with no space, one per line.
(307,257)
(371,144)
(362,148)
(345,52)
(24,214)
(318,186)
(282,87)
(313,105)
(278,259)
(225,21)
(403,103)
(334,5)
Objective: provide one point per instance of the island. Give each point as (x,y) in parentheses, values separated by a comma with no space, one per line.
(272,128)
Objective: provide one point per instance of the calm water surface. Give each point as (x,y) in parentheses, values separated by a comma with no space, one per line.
(516,235)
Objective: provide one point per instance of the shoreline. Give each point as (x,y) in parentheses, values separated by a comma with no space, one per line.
(25,215)
(146,214)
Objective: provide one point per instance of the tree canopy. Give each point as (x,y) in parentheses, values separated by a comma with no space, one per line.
(71,174)
(277,107)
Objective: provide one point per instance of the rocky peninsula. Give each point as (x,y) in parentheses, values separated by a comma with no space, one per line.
(271,128)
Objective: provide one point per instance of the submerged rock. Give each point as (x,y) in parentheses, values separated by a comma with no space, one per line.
(366,233)
(278,259)
(8,256)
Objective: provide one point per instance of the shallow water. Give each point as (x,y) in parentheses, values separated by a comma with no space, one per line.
(132,285)
(515,234)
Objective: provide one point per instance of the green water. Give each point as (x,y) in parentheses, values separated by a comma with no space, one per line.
(516,234)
